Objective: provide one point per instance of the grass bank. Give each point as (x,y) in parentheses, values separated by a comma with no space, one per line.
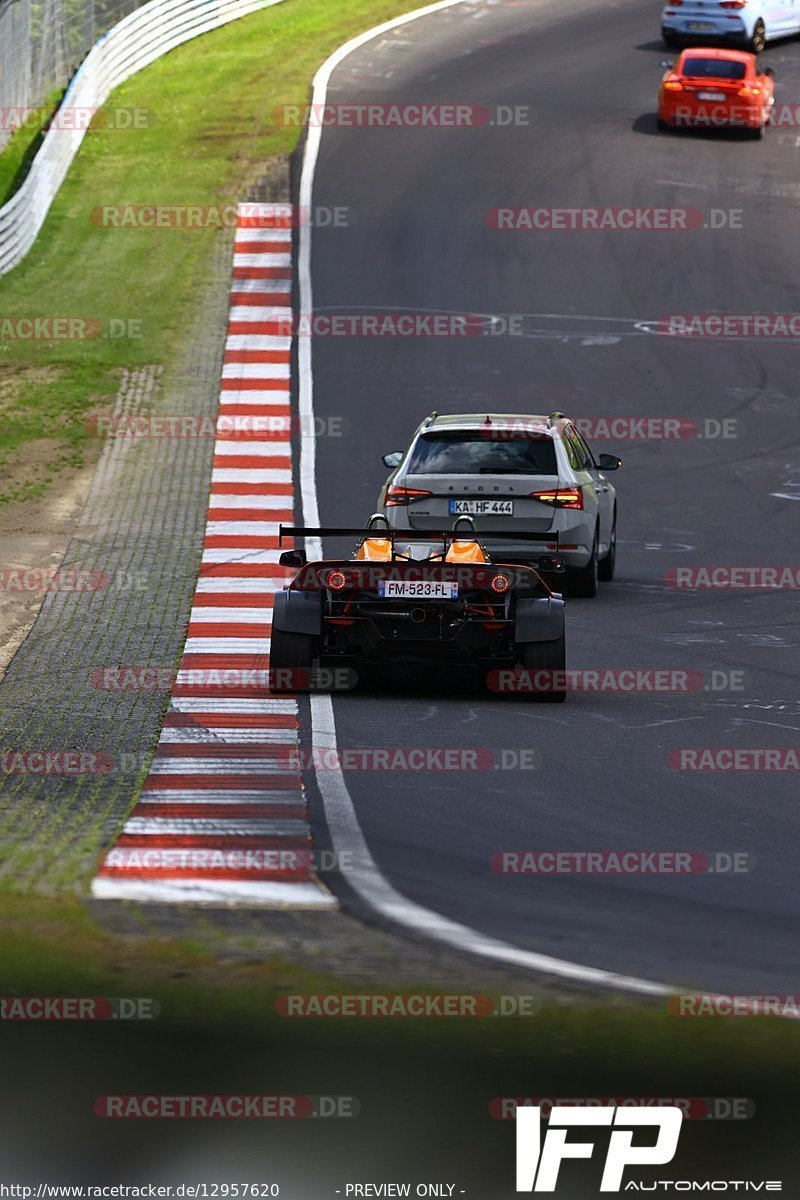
(204,129)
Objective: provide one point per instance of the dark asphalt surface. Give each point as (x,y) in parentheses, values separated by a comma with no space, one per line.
(417,238)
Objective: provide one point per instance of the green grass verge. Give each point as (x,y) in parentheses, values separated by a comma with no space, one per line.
(21,147)
(55,947)
(218,1031)
(208,111)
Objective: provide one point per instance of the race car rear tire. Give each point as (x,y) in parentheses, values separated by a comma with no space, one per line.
(291,656)
(547,656)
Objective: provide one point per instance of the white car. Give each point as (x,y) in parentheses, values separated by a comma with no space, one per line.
(747,24)
(523,474)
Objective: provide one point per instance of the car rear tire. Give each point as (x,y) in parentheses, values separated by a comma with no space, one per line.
(759,39)
(583,581)
(607,565)
(670,40)
(291,656)
(663,127)
(758,134)
(546,656)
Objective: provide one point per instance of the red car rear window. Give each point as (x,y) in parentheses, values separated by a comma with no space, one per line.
(714,68)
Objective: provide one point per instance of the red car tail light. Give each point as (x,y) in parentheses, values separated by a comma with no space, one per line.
(397,495)
(733,3)
(500,584)
(561,497)
(750,89)
(673,85)
(336,581)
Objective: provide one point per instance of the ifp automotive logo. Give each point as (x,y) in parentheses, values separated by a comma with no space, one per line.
(539,1160)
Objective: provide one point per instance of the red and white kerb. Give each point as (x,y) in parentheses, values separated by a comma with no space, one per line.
(222,816)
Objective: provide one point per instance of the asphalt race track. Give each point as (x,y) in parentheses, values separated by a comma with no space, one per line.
(417,239)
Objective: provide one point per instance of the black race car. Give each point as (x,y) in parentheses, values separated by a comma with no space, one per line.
(432,599)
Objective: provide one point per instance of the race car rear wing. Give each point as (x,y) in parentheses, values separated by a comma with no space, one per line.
(412,535)
(295,558)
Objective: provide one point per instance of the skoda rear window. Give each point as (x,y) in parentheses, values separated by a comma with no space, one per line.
(478,453)
(714,68)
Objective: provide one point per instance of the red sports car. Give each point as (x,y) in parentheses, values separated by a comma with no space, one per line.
(716,89)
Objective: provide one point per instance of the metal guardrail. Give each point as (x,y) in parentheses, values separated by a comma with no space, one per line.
(42,43)
(138,40)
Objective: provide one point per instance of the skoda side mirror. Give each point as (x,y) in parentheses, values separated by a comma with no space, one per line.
(609,462)
(293,558)
(393,460)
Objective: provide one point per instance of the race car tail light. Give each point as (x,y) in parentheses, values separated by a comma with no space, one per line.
(733,4)
(337,580)
(500,584)
(750,90)
(561,497)
(397,495)
(673,85)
